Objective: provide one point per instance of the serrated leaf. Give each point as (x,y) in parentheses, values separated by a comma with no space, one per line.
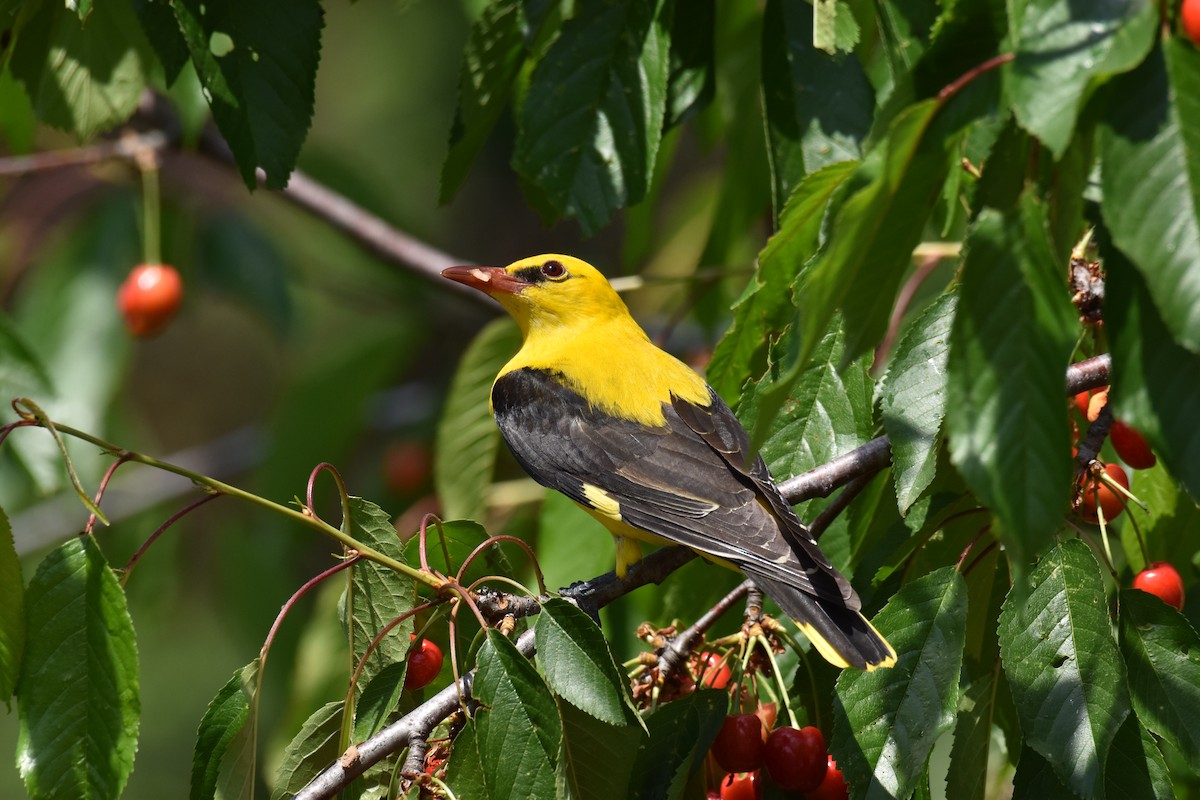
(314,748)
(1136,769)
(578,665)
(1150,175)
(221,739)
(494,54)
(1064,51)
(12,611)
(460,538)
(596,758)
(913,398)
(886,721)
(591,124)
(1162,656)
(1012,336)
(467,436)
(82,78)
(1035,778)
(79,702)
(258,64)
(464,772)
(691,82)
(819,108)
(162,31)
(765,307)
(518,731)
(826,413)
(1147,366)
(680,734)
(1062,664)
(378,594)
(379,699)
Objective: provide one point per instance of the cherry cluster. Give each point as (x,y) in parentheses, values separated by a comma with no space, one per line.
(794,759)
(1159,578)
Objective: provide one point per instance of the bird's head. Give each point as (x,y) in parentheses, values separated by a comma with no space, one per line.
(549,291)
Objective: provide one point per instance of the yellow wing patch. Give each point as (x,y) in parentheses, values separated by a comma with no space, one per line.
(602,502)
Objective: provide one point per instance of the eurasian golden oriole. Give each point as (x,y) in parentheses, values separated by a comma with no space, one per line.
(590,407)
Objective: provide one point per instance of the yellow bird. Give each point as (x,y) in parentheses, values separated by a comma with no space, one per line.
(590,407)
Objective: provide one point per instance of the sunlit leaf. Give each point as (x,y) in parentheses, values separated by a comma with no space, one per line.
(78,694)
(1064,51)
(313,748)
(1062,664)
(467,437)
(913,398)
(886,721)
(591,123)
(1012,336)
(224,749)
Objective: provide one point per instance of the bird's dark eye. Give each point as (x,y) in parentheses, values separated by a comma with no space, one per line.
(554,270)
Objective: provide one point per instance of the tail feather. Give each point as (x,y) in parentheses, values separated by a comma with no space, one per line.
(843,636)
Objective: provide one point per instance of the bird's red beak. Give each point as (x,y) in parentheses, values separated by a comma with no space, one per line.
(491,280)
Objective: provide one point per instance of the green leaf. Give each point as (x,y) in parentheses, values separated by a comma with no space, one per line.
(574,657)
(378,700)
(765,307)
(258,64)
(1136,769)
(1035,778)
(1162,655)
(827,412)
(1062,664)
(162,31)
(1146,388)
(691,82)
(680,734)
(518,731)
(467,436)
(1150,174)
(596,758)
(591,123)
(461,537)
(378,594)
(21,372)
(1171,510)
(224,744)
(79,683)
(571,544)
(17,122)
(494,55)
(12,611)
(82,78)
(464,772)
(819,108)
(1065,50)
(314,748)
(886,721)
(1013,334)
(913,398)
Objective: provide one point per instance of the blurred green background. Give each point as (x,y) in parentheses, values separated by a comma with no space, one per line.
(293,346)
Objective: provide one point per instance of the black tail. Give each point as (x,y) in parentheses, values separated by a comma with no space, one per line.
(843,636)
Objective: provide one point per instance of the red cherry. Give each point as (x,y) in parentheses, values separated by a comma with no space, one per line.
(1190,16)
(149,298)
(1098,401)
(741,787)
(714,672)
(1081,401)
(796,759)
(424,664)
(1111,502)
(1163,581)
(1131,446)
(406,466)
(739,744)
(833,787)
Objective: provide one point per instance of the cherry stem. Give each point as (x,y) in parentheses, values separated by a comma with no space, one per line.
(91,523)
(384,631)
(959,83)
(343,493)
(537,570)
(299,593)
(190,507)
(30,410)
(146,159)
